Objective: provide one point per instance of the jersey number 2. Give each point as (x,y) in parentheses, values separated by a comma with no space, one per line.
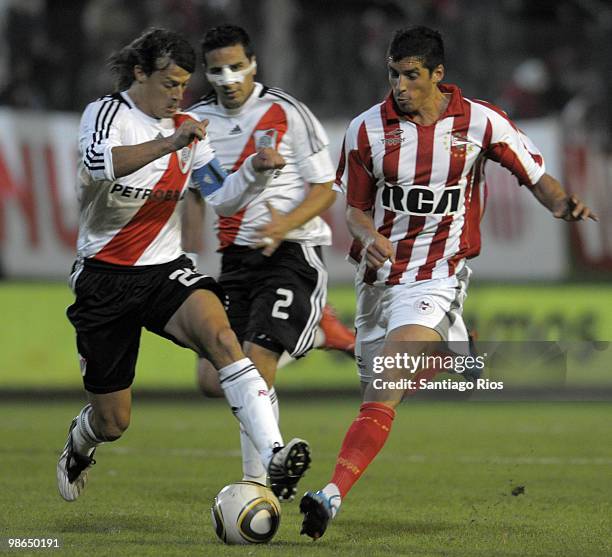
(186,276)
(284,302)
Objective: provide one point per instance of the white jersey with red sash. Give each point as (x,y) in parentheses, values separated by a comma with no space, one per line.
(270,118)
(135,219)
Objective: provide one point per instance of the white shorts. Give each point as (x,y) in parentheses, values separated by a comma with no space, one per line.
(435,303)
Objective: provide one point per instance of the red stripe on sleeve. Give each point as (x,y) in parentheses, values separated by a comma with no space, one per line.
(504,155)
(361,189)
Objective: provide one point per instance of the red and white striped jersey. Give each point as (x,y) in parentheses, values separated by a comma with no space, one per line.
(135,219)
(422,183)
(270,118)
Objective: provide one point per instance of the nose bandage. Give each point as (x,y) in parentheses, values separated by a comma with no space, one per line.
(228,76)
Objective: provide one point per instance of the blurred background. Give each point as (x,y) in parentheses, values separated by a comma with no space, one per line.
(547,63)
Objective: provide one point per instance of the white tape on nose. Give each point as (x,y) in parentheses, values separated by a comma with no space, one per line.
(229,76)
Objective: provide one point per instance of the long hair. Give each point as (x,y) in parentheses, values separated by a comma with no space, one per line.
(154,50)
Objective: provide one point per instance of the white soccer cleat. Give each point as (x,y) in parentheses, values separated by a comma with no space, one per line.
(288,465)
(72,469)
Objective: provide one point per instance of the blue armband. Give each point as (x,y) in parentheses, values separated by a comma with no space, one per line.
(209,178)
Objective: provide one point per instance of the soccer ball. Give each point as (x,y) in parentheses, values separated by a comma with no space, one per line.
(245,512)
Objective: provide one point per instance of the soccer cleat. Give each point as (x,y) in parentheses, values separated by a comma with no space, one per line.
(288,465)
(337,335)
(318,509)
(72,469)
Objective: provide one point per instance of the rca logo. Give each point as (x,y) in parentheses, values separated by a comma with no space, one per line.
(421,200)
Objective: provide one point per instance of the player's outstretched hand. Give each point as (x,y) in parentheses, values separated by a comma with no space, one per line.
(268,159)
(572,208)
(189,130)
(272,233)
(377,250)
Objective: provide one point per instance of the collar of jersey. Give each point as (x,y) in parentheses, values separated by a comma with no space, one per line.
(140,113)
(236,111)
(454,108)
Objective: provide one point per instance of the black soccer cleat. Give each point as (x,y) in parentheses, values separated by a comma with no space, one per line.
(318,510)
(288,465)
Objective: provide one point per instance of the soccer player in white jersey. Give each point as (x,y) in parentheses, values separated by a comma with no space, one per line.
(138,153)
(272,269)
(410,169)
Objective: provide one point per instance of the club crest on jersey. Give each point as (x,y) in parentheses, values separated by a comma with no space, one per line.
(184,159)
(265,138)
(458,144)
(425,305)
(393,137)
(422,200)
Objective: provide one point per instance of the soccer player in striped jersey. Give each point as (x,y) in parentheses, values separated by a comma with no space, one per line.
(138,152)
(272,269)
(411,168)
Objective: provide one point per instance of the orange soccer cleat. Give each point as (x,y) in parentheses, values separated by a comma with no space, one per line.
(337,335)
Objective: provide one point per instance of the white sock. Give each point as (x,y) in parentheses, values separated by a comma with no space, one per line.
(252,468)
(247,394)
(333,493)
(84,440)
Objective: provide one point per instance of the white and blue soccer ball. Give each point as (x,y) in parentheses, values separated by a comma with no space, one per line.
(244,513)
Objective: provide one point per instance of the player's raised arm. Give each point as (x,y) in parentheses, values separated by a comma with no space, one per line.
(512,149)
(227,194)
(130,158)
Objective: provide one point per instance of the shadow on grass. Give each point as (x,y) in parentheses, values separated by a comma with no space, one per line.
(391,527)
(111,524)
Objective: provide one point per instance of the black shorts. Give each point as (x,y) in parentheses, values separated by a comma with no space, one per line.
(275,302)
(114,302)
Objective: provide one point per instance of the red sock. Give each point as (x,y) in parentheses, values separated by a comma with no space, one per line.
(362,442)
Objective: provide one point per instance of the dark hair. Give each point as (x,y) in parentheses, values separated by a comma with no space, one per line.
(226,35)
(154,50)
(421,42)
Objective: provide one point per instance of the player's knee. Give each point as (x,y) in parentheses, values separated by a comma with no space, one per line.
(227,340)
(226,348)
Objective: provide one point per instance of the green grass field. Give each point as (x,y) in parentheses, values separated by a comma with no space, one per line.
(441,487)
